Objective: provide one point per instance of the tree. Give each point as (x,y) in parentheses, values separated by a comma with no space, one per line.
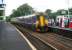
(48,12)
(54,15)
(22,10)
(1,18)
(8,18)
(14,13)
(1,12)
(62,12)
(70,11)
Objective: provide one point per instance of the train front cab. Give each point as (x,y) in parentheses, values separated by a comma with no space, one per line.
(41,24)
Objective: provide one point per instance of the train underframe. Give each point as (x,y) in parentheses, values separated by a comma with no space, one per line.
(42,29)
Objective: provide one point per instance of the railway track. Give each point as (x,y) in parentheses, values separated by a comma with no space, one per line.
(56,41)
(47,41)
(35,41)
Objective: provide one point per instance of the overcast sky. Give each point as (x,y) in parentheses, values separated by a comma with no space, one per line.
(0,2)
(39,5)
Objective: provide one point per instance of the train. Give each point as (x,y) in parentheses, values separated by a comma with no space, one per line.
(35,22)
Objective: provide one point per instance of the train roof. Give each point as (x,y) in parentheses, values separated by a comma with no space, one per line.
(30,16)
(26,16)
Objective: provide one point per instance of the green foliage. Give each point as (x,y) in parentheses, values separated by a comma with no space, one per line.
(59,12)
(70,11)
(8,19)
(53,15)
(62,12)
(1,12)
(1,18)
(22,10)
(48,12)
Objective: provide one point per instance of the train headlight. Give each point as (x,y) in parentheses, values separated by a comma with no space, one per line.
(37,24)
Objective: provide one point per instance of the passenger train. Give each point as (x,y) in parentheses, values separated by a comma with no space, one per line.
(36,22)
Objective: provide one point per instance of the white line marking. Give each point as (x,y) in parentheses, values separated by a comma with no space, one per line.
(30,44)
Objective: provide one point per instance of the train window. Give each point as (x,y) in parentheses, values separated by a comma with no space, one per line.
(34,19)
(46,17)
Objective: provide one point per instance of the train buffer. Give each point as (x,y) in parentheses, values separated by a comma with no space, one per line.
(10,39)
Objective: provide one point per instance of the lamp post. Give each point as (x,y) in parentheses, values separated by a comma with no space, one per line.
(68,7)
(68,12)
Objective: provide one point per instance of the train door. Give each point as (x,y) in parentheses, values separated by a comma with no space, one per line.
(34,19)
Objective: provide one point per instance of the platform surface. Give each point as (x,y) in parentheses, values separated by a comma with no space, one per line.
(10,39)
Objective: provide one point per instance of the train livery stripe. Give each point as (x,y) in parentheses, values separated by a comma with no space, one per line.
(42,20)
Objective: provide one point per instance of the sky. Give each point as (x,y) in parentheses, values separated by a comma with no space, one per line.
(38,5)
(0,2)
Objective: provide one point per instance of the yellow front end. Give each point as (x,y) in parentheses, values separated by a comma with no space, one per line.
(41,24)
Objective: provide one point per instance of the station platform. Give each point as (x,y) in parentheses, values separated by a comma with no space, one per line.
(10,39)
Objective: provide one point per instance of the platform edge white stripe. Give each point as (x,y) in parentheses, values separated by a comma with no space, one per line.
(29,43)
